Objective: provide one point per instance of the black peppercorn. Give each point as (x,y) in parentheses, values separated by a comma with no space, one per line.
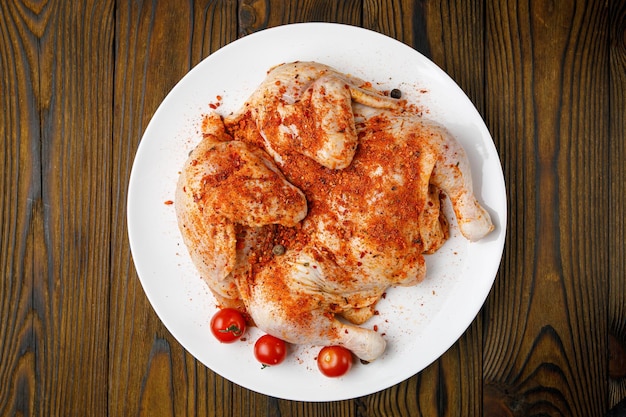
(278,250)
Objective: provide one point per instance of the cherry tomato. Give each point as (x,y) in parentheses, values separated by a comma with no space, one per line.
(228,325)
(334,361)
(270,350)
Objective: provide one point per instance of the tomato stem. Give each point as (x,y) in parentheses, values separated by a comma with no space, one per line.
(233,328)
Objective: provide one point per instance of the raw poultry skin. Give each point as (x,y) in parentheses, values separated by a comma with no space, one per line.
(321,193)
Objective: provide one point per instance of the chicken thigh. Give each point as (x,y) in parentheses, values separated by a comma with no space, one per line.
(307,106)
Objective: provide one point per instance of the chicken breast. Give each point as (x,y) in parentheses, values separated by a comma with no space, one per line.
(321,193)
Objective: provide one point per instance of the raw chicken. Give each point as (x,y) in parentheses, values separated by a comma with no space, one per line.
(323,194)
(223,186)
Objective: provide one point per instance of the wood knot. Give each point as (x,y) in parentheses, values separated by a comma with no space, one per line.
(500,401)
(247,15)
(617,358)
(253,16)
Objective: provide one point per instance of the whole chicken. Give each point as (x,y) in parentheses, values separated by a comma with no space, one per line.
(319,194)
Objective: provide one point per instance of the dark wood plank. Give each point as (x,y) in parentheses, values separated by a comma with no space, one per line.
(400,19)
(547,89)
(72,286)
(456,42)
(149,372)
(57,66)
(617,208)
(21,211)
(455,33)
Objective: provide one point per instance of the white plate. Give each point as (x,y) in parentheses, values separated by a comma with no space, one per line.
(419,323)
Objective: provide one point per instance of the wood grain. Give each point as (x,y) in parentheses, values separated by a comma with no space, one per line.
(79,82)
(21,215)
(460,26)
(255,15)
(394,18)
(545,344)
(617,206)
(57,58)
(150,373)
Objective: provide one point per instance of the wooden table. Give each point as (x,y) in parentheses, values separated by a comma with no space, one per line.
(79,82)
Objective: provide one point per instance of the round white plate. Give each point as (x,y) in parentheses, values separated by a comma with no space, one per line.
(419,323)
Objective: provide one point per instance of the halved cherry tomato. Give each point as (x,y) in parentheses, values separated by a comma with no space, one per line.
(334,361)
(228,325)
(270,350)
